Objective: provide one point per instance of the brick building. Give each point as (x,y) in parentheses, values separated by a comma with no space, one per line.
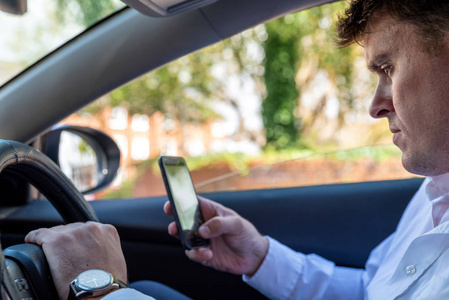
(142,137)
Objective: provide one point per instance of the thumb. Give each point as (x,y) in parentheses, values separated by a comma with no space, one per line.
(220,225)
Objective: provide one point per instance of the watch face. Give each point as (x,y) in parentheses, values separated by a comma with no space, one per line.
(94,279)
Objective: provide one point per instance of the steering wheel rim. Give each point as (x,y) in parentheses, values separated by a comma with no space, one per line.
(48,178)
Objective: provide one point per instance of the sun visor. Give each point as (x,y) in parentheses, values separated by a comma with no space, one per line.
(165,8)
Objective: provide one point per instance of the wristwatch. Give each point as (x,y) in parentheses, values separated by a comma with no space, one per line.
(93,283)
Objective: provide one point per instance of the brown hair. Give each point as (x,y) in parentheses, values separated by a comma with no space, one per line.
(430,18)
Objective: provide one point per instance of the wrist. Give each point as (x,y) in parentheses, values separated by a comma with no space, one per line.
(260,252)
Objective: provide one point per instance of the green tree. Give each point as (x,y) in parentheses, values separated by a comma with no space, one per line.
(301,58)
(186,89)
(297,49)
(241,57)
(320,54)
(280,103)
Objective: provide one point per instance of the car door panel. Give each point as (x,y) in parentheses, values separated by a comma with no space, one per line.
(341,222)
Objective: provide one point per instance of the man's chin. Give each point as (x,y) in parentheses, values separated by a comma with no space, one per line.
(422,167)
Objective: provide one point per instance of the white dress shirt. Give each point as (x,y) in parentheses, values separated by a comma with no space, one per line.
(411,264)
(126,294)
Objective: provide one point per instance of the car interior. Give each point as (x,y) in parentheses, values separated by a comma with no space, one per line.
(341,222)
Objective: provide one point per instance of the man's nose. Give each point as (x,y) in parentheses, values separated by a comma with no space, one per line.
(382,103)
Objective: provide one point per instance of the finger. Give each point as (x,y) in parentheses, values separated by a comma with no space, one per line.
(221,225)
(211,209)
(66,227)
(38,236)
(59,228)
(30,237)
(173,229)
(168,209)
(201,255)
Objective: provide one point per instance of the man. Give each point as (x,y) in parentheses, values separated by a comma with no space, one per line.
(406,43)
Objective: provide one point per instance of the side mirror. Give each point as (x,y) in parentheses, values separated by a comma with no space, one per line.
(15,7)
(89,157)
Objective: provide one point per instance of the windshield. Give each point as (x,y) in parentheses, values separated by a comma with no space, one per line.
(44,27)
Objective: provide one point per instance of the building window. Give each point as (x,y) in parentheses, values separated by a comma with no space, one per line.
(140,123)
(140,148)
(218,130)
(195,147)
(119,118)
(169,124)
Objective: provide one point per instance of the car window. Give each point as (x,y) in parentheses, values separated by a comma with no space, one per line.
(45,26)
(275,106)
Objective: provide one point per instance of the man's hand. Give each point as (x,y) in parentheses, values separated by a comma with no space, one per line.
(235,244)
(77,247)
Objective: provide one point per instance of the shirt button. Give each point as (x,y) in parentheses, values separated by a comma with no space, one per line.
(410,270)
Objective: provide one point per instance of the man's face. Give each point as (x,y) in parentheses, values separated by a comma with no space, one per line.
(412,93)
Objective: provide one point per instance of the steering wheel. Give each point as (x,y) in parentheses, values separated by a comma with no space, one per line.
(23,268)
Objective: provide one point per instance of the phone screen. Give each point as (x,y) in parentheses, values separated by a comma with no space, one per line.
(184,200)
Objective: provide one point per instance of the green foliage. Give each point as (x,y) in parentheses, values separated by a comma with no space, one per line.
(125,191)
(377,153)
(240,161)
(319,51)
(235,161)
(180,90)
(279,105)
(246,164)
(169,90)
(186,89)
(86,12)
(85,148)
(299,47)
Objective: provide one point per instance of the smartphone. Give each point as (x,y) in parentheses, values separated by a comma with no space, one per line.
(184,201)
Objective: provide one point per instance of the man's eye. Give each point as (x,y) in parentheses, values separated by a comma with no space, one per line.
(386,69)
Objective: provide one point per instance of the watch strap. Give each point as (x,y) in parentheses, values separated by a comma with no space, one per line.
(120,283)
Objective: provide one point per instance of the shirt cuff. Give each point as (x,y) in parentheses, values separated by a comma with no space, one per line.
(287,274)
(273,279)
(126,294)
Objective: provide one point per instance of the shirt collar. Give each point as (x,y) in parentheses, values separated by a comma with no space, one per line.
(437,186)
